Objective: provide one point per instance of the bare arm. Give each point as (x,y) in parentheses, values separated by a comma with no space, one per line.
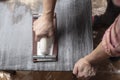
(43,26)
(84,68)
(48,7)
(108,47)
(97,55)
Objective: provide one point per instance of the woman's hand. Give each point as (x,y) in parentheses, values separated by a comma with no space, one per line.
(83,69)
(43,26)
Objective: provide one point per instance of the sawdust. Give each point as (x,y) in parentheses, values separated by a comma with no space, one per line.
(5,76)
(98,7)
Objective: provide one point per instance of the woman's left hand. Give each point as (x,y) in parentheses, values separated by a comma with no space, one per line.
(83,69)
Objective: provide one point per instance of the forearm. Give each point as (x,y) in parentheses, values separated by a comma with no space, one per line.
(97,55)
(48,7)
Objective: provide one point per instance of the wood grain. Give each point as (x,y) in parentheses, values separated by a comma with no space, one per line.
(74,36)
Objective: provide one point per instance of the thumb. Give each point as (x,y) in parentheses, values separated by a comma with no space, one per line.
(37,37)
(51,33)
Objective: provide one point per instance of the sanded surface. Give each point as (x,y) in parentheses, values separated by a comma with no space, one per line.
(74,35)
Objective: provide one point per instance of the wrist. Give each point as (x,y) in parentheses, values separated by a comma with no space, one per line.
(91,58)
(85,61)
(48,13)
(48,16)
(88,59)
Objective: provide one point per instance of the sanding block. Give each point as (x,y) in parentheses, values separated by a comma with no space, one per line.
(45,50)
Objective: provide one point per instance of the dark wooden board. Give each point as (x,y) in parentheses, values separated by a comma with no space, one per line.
(74,36)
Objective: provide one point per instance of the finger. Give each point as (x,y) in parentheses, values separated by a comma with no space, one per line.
(87,71)
(81,72)
(81,68)
(91,72)
(34,24)
(51,33)
(75,70)
(35,21)
(36,38)
(35,27)
(80,75)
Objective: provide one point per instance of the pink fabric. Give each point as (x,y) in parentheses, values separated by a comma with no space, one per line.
(111,39)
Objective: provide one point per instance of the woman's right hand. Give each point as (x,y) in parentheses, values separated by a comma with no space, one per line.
(83,69)
(43,26)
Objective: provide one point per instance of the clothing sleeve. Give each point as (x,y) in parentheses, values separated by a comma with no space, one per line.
(111,39)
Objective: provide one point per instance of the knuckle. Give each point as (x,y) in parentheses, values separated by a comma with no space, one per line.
(37,34)
(50,34)
(80,76)
(76,64)
(86,76)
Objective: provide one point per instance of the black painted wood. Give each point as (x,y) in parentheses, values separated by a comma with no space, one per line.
(74,35)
